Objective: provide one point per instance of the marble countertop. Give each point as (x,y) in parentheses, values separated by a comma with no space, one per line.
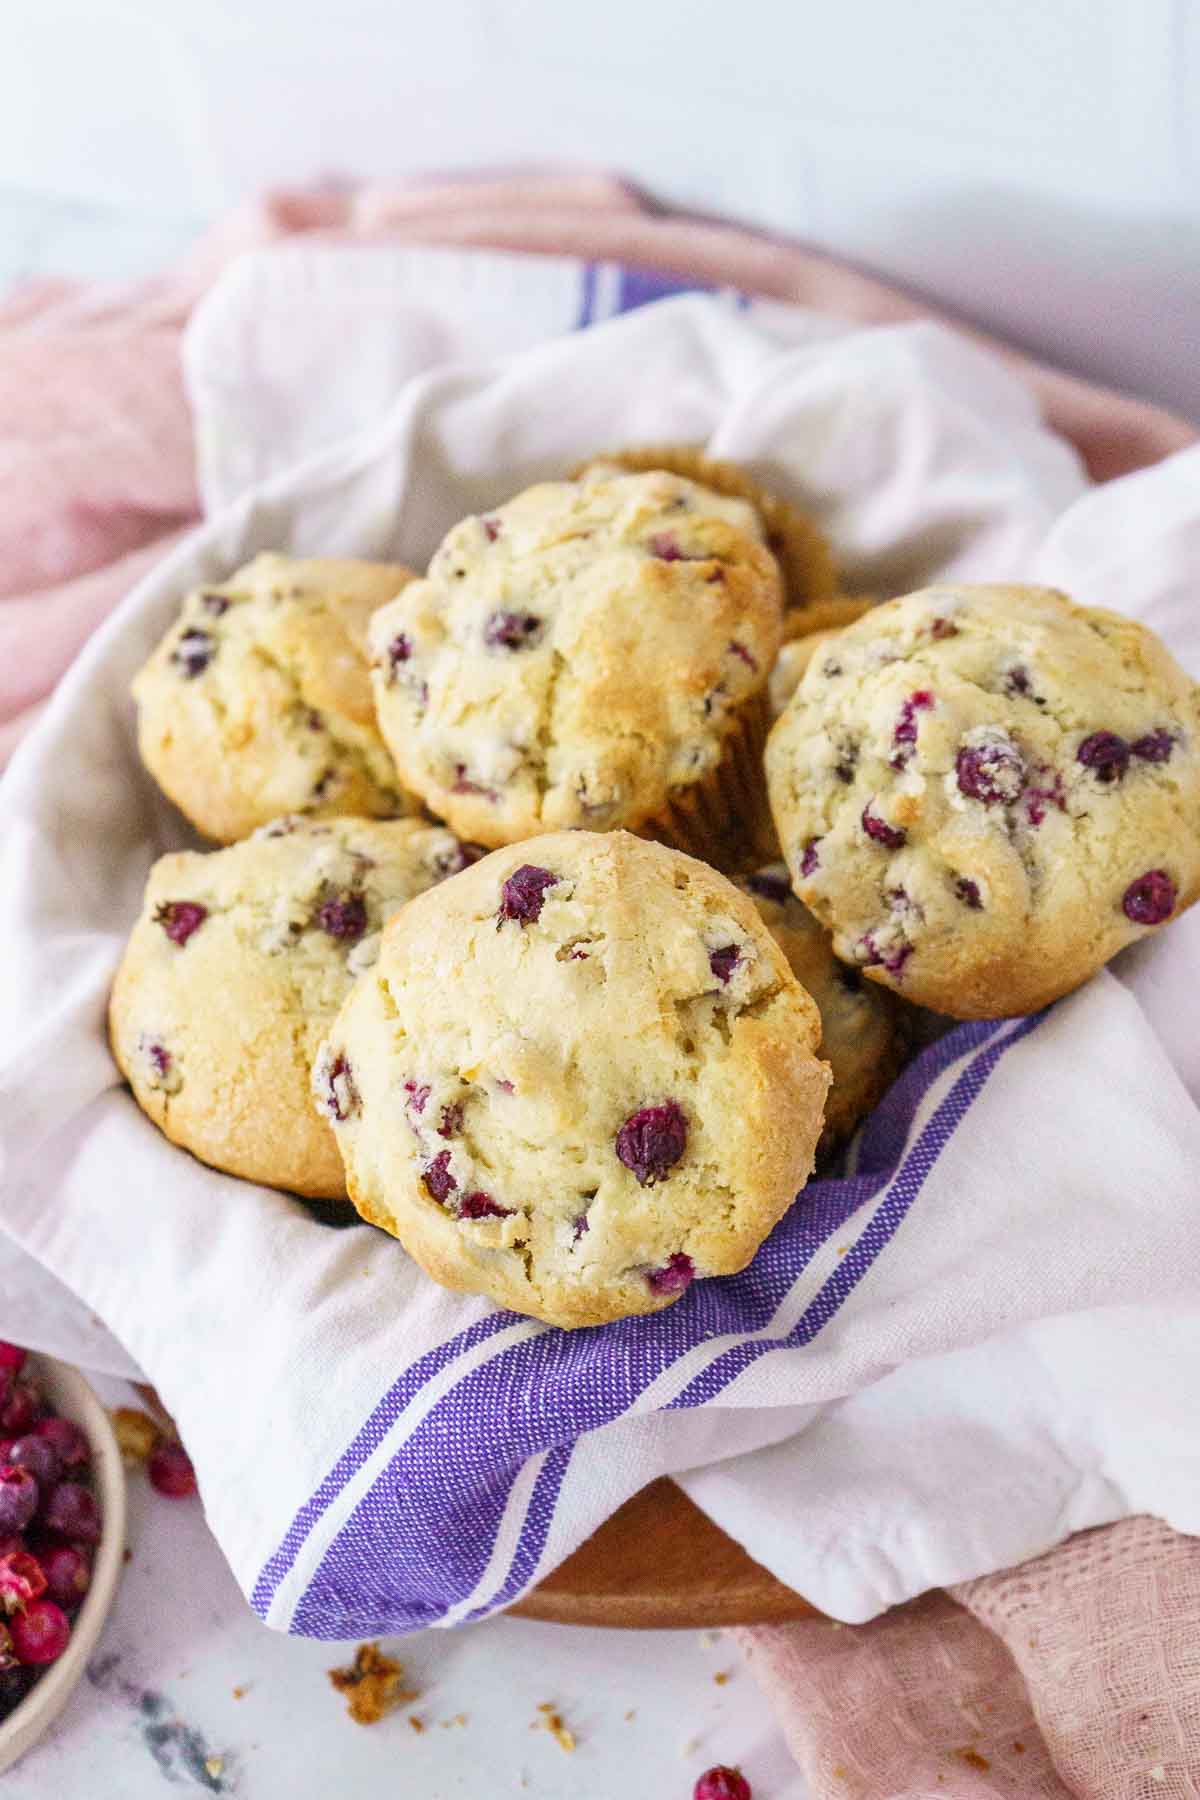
(187,1691)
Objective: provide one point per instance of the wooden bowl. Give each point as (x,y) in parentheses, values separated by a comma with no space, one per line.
(70,1395)
(660,1562)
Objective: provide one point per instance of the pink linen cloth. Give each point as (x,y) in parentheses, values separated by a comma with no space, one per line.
(96,447)
(1078,1674)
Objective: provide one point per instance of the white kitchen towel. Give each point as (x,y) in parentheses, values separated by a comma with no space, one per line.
(375,1453)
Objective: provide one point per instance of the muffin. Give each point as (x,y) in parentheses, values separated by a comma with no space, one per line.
(863,1034)
(578,1076)
(986,792)
(799,546)
(236,969)
(257,702)
(594,654)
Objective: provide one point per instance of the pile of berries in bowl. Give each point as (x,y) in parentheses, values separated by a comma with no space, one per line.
(61,1538)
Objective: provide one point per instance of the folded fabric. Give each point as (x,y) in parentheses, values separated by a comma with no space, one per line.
(1076,1677)
(95,437)
(401,1456)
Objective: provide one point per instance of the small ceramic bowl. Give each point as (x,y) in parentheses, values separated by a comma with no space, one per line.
(70,1395)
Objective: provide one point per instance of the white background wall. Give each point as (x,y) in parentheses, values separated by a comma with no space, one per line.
(1034,162)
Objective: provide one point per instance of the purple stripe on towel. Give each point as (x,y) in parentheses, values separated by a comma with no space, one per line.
(419,1540)
(365,1442)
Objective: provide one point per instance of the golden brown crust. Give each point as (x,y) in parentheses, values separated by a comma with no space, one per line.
(799,545)
(216,1033)
(581,658)
(942,793)
(257,701)
(525,1046)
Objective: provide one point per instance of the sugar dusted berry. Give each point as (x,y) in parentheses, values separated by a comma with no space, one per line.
(990,769)
(70,1511)
(171,1472)
(68,1573)
(38,1455)
(18,1497)
(74,1451)
(652,1140)
(41,1633)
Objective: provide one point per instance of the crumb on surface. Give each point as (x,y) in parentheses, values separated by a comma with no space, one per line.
(552,1721)
(416,1723)
(722,1676)
(214,1766)
(973,1759)
(708,1639)
(690,1747)
(239,1693)
(631,1714)
(1018,1746)
(373,1685)
(127,1555)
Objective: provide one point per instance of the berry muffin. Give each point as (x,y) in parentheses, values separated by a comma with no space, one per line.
(863,1036)
(258,700)
(579,1076)
(986,792)
(593,654)
(799,546)
(237,968)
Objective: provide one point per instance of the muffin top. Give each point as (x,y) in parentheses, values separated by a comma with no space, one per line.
(800,547)
(985,792)
(579,656)
(257,702)
(863,1038)
(579,1075)
(234,971)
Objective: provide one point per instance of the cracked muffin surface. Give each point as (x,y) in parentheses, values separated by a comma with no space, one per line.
(986,792)
(236,968)
(257,702)
(577,1078)
(582,656)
